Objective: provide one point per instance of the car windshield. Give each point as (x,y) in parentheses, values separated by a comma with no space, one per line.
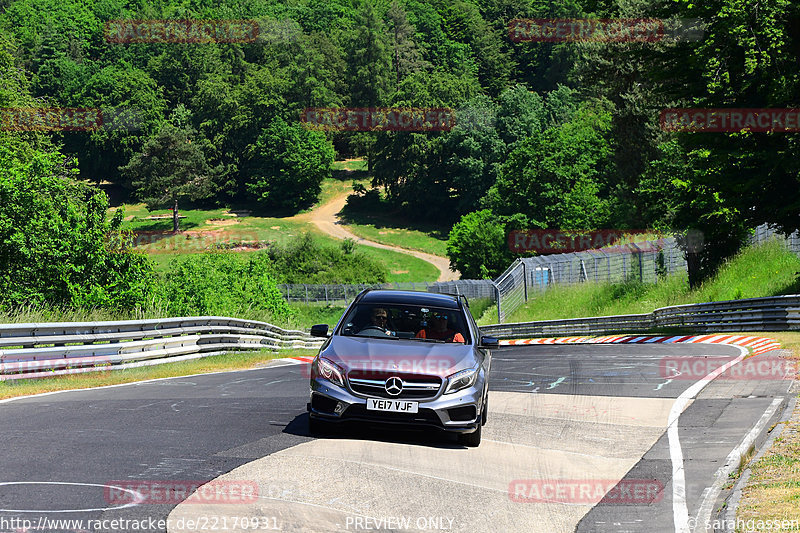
(416,322)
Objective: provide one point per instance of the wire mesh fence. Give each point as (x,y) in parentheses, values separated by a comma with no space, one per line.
(765,233)
(648,261)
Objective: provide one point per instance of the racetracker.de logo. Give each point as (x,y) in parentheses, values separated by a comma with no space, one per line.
(586,491)
(730,120)
(173,492)
(180,31)
(768,367)
(406,368)
(551,30)
(379,118)
(50,119)
(555,241)
(165,241)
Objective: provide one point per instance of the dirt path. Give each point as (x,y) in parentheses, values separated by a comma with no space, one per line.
(324,217)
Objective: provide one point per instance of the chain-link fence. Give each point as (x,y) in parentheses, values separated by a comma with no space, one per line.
(647,261)
(764,233)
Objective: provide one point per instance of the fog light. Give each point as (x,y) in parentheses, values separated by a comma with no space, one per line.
(339,409)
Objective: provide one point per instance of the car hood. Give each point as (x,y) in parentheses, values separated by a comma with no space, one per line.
(402,356)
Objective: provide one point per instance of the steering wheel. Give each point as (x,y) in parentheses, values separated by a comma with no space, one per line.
(374,327)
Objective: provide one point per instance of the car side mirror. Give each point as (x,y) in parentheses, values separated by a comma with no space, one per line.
(319,330)
(489,342)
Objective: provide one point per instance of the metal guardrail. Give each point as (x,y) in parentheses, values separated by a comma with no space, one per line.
(775,313)
(49,349)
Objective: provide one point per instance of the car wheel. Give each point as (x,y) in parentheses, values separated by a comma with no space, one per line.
(485,412)
(471,440)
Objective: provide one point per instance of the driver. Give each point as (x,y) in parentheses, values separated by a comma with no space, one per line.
(379,318)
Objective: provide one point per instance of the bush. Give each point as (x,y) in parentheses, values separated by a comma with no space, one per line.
(221,283)
(56,244)
(304,260)
(477,246)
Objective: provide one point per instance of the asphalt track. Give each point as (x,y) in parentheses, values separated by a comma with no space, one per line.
(561,416)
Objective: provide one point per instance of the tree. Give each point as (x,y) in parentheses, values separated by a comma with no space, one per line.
(369,59)
(710,225)
(170,169)
(557,178)
(477,245)
(57,246)
(286,165)
(406,57)
(119,87)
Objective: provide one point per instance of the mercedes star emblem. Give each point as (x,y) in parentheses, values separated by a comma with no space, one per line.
(394,386)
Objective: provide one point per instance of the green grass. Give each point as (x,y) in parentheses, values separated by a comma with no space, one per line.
(401,267)
(203,235)
(478,306)
(392,233)
(216,363)
(381,223)
(352,165)
(765,270)
(316,313)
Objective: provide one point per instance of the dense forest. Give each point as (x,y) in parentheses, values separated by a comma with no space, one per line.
(548,134)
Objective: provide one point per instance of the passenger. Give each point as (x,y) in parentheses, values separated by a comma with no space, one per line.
(439,330)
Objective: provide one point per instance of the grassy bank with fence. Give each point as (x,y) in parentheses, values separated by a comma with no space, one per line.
(766,269)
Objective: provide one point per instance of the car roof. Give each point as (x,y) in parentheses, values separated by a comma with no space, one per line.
(409,297)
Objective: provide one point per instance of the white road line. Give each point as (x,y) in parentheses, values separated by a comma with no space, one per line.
(137,497)
(731,463)
(680,511)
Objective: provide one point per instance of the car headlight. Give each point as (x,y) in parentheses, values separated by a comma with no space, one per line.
(330,371)
(461,380)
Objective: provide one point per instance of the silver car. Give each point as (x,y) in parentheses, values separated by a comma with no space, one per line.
(406,358)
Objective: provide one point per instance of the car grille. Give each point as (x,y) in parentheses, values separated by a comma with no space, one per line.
(414,388)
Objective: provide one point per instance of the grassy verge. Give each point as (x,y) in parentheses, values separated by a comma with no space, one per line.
(333,187)
(765,270)
(773,490)
(378,221)
(216,363)
(316,313)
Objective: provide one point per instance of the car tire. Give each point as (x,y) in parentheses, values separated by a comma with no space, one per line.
(485,412)
(471,440)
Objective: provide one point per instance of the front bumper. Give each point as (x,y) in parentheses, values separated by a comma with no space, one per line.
(459,412)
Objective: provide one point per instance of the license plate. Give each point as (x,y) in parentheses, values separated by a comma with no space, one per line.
(393,406)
